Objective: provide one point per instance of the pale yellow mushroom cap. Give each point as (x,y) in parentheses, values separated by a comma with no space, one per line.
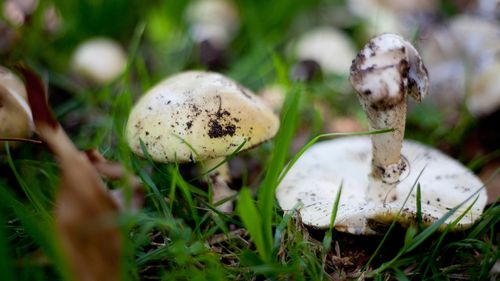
(205,110)
(15,114)
(100,60)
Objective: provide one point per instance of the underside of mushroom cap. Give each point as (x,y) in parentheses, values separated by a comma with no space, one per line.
(196,116)
(312,183)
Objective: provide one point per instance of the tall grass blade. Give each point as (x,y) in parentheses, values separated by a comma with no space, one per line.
(265,195)
(253,222)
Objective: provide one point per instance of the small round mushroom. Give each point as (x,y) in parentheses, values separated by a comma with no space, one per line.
(213,20)
(15,114)
(329,48)
(378,173)
(198,116)
(100,60)
(213,24)
(18,12)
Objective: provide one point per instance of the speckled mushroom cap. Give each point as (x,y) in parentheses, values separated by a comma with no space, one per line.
(15,114)
(312,183)
(206,110)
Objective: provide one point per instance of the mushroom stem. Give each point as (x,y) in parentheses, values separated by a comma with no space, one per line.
(386,148)
(219,179)
(383,73)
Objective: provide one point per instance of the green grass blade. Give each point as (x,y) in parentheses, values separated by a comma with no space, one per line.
(421,237)
(393,224)
(252,220)
(265,196)
(437,246)
(419,207)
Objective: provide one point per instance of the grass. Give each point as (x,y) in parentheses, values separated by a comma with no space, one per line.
(184,237)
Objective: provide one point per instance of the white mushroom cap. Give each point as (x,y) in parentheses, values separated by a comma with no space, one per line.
(386,67)
(213,20)
(466,49)
(206,110)
(484,96)
(16,11)
(15,114)
(365,7)
(476,36)
(327,46)
(315,178)
(99,59)
(391,15)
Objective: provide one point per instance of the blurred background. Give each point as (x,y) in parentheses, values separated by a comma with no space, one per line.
(131,45)
(99,56)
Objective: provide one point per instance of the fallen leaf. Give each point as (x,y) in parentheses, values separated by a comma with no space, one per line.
(115,171)
(85,213)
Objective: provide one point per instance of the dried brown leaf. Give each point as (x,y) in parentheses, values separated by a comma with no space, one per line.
(115,171)
(86,214)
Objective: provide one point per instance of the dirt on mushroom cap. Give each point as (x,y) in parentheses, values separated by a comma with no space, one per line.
(208,111)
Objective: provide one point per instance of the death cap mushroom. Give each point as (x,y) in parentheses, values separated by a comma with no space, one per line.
(195,116)
(200,117)
(379,173)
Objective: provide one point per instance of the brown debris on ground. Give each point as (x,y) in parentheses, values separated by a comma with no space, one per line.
(86,215)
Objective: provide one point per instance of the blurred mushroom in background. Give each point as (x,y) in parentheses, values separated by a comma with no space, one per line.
(404,17)
(463,58)
(100,60)
(52,19)
(213,24)
(18,12)
(324,47)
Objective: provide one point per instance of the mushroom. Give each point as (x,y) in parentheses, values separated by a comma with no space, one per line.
(213,24)
(329,48)
(484,98)
(376,188)
(18,12)
(203,117)
(100,60)
(465,49)
(15,114)
(393,15)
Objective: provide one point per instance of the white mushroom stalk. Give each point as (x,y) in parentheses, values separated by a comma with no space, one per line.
(384,72)
(379,173)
